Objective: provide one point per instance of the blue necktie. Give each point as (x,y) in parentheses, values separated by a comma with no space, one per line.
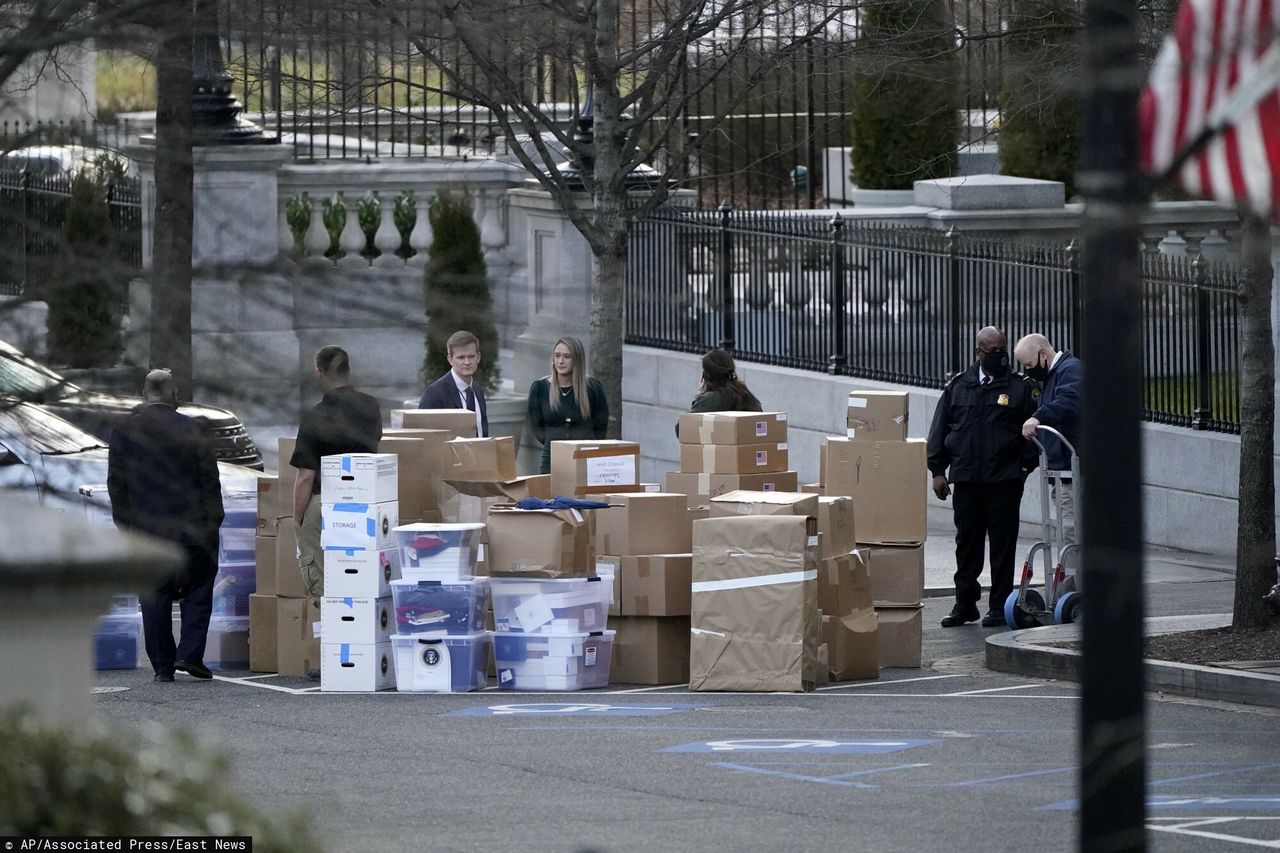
(471,398)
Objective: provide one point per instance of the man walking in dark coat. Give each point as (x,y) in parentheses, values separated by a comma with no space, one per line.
(976,444)
(163,481)
(457,388)
(1060,375)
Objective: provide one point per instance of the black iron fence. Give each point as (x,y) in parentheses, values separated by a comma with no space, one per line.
(33,209)
(901,305)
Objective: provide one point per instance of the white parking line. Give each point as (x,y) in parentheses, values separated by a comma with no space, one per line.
(651,689)
(993,690)
(891,681)
(1184,827)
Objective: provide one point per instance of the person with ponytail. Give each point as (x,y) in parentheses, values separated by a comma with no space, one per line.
(720,389)
(568,404)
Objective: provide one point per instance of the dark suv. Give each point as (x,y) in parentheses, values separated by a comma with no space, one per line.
(29,380)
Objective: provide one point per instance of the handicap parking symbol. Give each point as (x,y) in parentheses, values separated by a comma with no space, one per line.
(800,746)
(571,709)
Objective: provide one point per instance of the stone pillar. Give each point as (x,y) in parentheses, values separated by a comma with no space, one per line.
(53,587)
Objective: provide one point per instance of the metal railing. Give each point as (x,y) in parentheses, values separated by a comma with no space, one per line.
(903,305)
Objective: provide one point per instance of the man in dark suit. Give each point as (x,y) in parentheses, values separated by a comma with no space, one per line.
(163,481)
(1060,375)
(457,388)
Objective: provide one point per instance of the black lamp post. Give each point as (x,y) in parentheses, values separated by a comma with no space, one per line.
(216,118)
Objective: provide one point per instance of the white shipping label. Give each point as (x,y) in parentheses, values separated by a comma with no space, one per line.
(762,428)
(850,432)
(762,457)
(533,613)
(857,403)
(590,656)
(611,470)
(768,487)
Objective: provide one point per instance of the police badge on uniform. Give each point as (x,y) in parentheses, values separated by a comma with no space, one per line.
(1002,400)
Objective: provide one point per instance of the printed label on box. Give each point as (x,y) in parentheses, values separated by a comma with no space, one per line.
(762,457)
(589,654)
(762,429)
(768,487)
(534,613)
(611,471)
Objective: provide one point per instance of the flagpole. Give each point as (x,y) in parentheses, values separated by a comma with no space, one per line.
(1112,714)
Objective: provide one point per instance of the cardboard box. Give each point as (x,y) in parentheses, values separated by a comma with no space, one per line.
(594,467)
(836,524)
(490,459)
(844,585)
(811,488)
(733,458)
(227,643)
(366,478)
(901,634)
(644,523)
(742,502)
(297,645)
(539,543)
(877,415)
(853,645)
(460,423)
(360,574)
(275,501)
(754,623)
(732,428)
(468,501)
(356,667)
(359,621)
(887,481)
(288,576)
(701,488)
(650,650)
(420,461)
(654,585)
(897,575)
(358,525)
(262,633)
(824,666)
(264,559)
(284,448)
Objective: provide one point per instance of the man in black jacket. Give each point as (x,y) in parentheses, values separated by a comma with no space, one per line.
(457,388)
(163,480)
(976,444)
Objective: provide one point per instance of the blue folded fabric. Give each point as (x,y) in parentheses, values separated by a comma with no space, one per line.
(561,502)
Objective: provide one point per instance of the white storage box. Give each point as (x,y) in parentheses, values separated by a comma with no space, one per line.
(366,478)
(356,667)
(356,620)
(358,526)
(456,664)
(360,574)
(553,662)
(438,551)
(567,605)
(440,607)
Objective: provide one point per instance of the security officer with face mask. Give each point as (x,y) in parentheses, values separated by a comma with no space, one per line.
(976,446)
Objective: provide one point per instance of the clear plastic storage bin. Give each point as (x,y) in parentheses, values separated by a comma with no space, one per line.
(457,664)
(565,606)
(438,551)
(552,661)
(440,607)
(232,586)
(227,643)
(117,641)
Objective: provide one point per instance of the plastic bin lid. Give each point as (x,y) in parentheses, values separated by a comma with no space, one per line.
(427,525)
(410,583)
(404,639)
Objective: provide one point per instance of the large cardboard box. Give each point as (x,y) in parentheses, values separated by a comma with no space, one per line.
(742,502)
(654,585)
(288,577)
(297,646)
(284,448)
(262,633)
(754,624)
(275,501)
(420,461)
(650,650)
(264,558)
(853,645)
(901,634)
(877,415)
(887,481)
(732,428)
(701,488)
(844,584)
(644,523)
(539,543)
(366,478)
(836,524)
(594,467)
(468,501)
(897,575)
(733,458)
(461,423)
(480,459)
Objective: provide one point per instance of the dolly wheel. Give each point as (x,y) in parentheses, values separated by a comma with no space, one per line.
(1069,609)
(1023,614)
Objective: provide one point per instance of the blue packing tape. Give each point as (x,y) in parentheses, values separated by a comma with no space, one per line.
(361,508)
(344,654)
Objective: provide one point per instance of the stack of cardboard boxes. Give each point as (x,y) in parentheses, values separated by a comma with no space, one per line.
(360,507)
(886,475)
(644,544)
(727,451)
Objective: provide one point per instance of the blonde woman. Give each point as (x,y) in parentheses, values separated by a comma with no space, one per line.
(568,404)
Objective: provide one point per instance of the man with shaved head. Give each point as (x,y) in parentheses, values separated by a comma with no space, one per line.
(976,446)
(163,481)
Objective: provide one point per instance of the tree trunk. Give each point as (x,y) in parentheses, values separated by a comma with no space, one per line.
(172,239)
(606,329)
(1256,516)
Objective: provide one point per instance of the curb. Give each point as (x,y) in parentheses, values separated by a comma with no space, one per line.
(1029,652)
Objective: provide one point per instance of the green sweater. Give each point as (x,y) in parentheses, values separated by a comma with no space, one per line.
(567,424)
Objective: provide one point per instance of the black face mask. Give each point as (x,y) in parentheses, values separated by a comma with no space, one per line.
(1039,372)
(995,363)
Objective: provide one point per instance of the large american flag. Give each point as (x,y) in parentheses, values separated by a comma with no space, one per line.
(1213,92)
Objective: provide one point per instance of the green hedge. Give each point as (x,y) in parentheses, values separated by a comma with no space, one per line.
(84,290)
